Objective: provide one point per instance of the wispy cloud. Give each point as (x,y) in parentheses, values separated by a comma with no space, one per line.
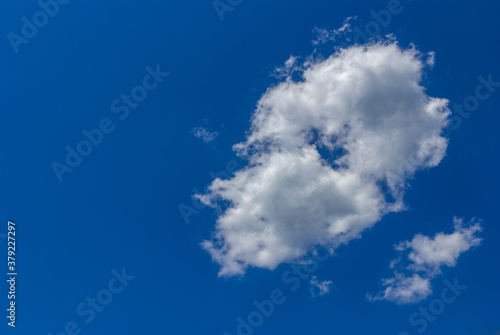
(426,257)
(324,35)
(320,288)
(205,135)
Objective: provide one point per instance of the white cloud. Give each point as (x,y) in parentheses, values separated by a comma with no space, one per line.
(324,35)
(320,288)
(431,59)
(429,254)
(328,157)
(426,256)
(402,289)
(287,69)
(205,135)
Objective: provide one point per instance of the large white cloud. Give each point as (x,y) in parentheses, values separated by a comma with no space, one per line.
(426,257)
(328,155)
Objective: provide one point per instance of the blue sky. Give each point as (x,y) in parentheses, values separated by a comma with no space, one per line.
(118,209)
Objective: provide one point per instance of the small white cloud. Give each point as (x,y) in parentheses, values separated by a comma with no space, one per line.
(324,35)
(204,134)
(287,69)
(426,257)
(430,254)
(403,290)
(290,62)
(320,288)
(431,59)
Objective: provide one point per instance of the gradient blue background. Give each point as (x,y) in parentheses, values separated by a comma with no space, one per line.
(119,208)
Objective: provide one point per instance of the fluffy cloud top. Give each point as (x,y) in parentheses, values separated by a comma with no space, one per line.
(427,255)
(328,156)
